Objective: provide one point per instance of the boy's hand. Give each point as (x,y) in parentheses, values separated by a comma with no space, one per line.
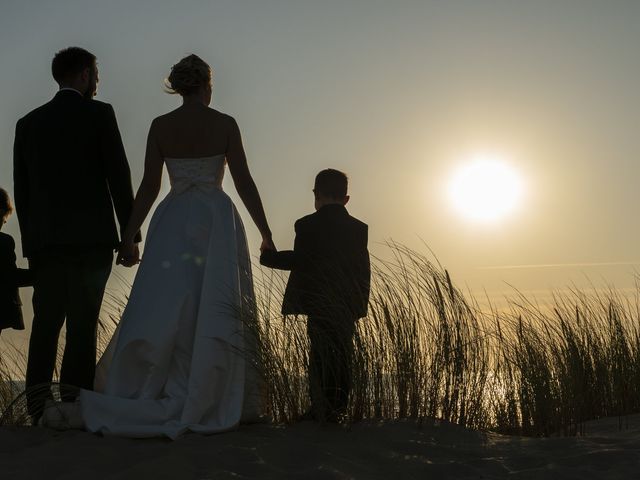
(266,258)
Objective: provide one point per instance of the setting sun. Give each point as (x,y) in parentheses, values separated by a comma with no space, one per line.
(486,189)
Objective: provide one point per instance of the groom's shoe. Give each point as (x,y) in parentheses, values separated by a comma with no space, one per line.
(52,416)
(62,416)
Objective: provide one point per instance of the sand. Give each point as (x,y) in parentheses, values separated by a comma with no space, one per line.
(387,450)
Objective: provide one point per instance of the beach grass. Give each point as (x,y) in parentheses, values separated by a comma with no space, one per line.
(426,350)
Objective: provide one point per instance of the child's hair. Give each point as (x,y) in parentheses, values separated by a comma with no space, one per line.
(6,208)
(331,183)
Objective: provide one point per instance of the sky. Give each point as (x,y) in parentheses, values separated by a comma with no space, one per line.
(398,95)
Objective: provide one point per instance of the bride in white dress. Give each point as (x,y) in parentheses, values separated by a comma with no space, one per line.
(179,359)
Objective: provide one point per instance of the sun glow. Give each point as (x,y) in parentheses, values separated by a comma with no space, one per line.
(486,189)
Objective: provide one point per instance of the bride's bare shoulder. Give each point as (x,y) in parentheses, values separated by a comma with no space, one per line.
(164,120)
(220,116)
(223,121)
(181,118)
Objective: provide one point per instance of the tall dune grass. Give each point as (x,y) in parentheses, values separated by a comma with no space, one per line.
(426,350)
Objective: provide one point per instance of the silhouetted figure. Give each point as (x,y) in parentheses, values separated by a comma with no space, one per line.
(329,282)
(70,171)
(179,361)
(11,277)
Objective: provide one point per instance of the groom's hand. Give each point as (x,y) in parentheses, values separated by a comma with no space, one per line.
(128,255)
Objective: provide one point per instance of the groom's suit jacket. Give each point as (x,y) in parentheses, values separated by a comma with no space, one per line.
(70,171)
(329,263)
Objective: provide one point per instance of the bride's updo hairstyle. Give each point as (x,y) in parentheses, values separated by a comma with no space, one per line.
(188,75)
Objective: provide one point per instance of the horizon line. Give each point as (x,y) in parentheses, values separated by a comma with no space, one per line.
(556,265)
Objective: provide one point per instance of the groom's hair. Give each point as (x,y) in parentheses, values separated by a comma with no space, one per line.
(69,62)
(331,183)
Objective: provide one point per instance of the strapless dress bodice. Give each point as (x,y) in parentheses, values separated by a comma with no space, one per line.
(203,173)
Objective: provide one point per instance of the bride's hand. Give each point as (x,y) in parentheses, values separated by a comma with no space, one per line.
(267,244)
(128,255)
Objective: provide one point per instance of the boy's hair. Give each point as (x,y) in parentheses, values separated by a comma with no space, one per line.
(331,183)
(6,208)
(69,62)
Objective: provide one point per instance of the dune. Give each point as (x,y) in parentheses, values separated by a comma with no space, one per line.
(369,450)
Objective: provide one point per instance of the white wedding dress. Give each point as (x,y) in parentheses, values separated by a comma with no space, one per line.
(180,359)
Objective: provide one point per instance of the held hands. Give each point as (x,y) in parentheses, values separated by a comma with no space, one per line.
(267,244)
(128,255)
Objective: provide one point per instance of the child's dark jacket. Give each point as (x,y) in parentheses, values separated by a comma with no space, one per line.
(330,269)
(11,277)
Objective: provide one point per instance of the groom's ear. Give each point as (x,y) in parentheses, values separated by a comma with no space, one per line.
(346,199)
(86,74)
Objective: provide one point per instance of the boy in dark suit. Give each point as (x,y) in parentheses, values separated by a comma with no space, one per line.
(11,277)
(329,282)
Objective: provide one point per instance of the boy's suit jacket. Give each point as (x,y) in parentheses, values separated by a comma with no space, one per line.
(11,277)
(330,270)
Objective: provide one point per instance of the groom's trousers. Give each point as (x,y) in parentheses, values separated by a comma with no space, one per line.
(67,286)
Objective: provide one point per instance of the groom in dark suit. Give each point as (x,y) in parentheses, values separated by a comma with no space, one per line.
(70,171)
(329,282)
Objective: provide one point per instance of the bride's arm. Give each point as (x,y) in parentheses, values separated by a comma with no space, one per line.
(147,194)
(245,186)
